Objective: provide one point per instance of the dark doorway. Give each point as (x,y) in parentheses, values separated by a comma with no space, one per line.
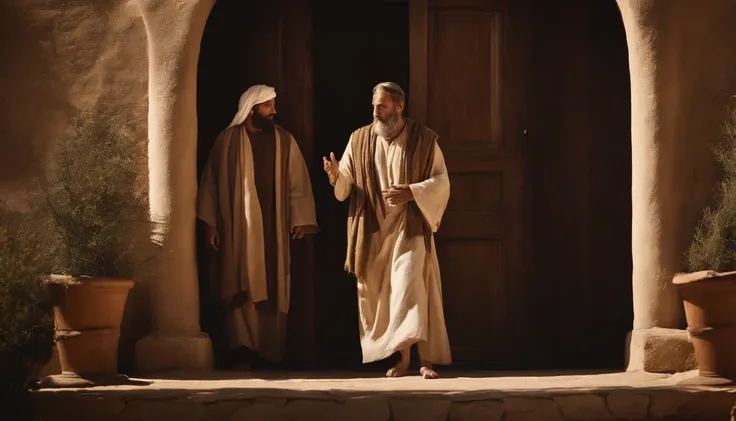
(356,46)
(222,76)
(576,298)
(575,295)
(248,42)
(580,148)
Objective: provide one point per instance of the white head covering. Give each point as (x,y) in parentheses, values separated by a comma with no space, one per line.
(256,94)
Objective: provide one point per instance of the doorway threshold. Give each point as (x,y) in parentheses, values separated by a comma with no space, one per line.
(276,395)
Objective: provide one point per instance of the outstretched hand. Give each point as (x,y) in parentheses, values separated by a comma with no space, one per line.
(332,167)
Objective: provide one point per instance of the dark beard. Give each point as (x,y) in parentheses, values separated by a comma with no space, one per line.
(261,122)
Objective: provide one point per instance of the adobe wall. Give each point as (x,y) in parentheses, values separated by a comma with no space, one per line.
(683,74)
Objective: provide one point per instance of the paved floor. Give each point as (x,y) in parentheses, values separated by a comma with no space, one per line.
(229,396)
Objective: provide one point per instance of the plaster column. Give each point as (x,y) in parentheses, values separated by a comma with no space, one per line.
(174,31)
(682,74)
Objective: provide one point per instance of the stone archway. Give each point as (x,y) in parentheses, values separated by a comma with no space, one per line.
(680,86)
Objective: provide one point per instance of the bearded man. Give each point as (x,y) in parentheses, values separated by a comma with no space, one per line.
(395,174)
(254,192)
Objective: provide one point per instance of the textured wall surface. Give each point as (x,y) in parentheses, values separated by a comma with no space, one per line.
(682,79)
(60,57)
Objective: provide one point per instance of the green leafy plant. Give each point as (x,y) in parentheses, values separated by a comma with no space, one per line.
(84,220)
(26,323)
(714,243)
(93,200)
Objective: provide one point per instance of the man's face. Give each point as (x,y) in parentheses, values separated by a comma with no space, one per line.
(263,114)
(385,114)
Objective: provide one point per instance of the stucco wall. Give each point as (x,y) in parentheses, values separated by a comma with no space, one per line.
(59,58)
(682,76)
(697,83)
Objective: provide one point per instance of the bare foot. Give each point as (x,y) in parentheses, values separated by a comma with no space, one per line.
(399,370)
(427,372)
(402,367)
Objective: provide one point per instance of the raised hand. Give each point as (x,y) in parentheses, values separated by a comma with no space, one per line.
(332,167)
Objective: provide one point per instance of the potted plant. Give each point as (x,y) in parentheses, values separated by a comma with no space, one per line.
(709,290)
(94,208)
(26,325)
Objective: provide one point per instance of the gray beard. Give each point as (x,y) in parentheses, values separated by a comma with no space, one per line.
(385,128)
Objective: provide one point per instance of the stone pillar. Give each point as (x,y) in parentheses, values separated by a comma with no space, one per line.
(174,31)
(682,75)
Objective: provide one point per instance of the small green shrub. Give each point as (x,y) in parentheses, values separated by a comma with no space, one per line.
(92,200)
(714,243)
(26,323)
(85,219)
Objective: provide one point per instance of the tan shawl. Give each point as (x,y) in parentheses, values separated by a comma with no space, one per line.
(228,200)
(366,196)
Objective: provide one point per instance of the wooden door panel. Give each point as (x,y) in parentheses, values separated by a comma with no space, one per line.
(463,79)
(462,86)
(469,226)
(474,211)
(474,330)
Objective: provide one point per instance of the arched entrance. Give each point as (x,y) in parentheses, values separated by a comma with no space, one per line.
(672,169)
(536,245)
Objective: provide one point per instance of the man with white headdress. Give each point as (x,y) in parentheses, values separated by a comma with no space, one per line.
(395,174)
(254,195)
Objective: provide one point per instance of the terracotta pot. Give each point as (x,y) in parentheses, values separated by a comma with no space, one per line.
(87,319)
(710,308)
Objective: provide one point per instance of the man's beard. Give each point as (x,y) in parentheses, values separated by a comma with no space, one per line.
(386,127)
(263,123)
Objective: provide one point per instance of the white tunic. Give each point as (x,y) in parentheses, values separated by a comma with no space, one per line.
(400,300)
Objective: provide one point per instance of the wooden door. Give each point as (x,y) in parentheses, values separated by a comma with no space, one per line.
(467,64)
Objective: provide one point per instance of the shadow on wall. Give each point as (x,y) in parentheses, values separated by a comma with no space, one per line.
(34,105)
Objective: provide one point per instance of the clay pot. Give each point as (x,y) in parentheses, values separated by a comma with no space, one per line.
(87,317)
(710,308)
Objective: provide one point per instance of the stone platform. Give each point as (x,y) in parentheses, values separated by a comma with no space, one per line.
(227,396)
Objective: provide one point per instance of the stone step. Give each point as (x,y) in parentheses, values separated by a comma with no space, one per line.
(327,396)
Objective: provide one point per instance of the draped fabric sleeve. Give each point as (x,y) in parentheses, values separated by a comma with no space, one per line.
(432,195)
(346,178)
(301,199)
(207,193)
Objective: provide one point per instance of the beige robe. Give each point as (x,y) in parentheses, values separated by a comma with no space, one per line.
(228,200)
(400,298)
